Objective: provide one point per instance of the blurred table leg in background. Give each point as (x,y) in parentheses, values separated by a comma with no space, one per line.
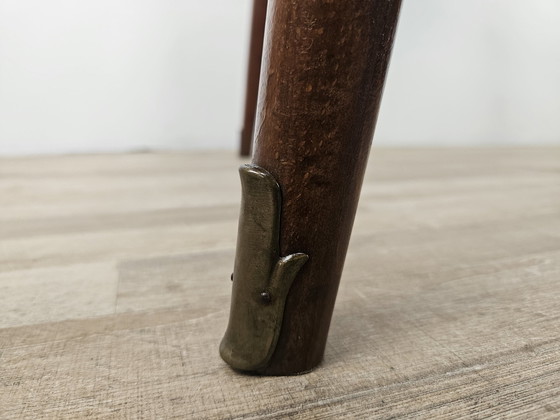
(253,74)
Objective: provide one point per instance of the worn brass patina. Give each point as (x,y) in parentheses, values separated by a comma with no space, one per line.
(261,277)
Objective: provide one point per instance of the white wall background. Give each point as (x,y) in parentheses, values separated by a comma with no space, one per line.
(114,75)
(474,72)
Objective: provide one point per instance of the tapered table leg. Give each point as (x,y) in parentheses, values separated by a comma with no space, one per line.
(325,63)
(253,74)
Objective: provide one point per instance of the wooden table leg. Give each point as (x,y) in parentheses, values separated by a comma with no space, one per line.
(324,64)
(253,74)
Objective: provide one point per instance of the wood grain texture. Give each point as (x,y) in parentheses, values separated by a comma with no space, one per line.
(114,291)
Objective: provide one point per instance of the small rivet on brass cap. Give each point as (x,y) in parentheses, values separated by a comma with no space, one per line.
(265,297)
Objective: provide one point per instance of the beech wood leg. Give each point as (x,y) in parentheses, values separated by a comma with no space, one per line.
(325,63)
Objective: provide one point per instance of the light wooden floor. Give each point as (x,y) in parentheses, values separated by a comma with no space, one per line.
(114,290)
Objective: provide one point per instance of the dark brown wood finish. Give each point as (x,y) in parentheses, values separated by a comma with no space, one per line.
(325,64)
(253,74)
